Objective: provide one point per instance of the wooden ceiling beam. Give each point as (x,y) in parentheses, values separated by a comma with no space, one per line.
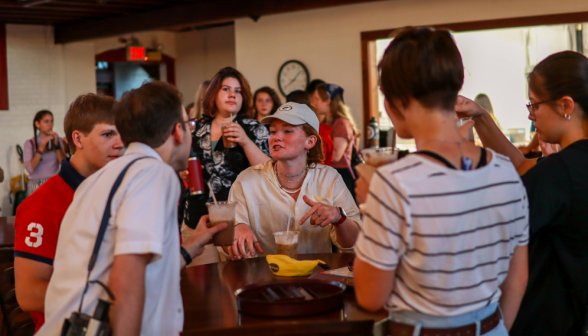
(203,12)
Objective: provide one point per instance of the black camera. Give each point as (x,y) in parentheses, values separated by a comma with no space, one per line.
(80,324)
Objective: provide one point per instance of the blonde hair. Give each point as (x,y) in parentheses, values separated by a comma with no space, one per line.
(340,110)
(198,107)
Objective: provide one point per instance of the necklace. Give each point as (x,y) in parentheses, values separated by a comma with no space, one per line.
(279,172)
(286,189)
(466,162)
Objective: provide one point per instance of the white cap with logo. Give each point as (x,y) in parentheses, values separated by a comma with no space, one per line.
(294,114)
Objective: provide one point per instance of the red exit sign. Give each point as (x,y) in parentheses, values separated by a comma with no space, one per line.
(136,54)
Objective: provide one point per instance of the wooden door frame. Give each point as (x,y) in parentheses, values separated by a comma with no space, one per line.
(3,69)
(120,56)
(368,49)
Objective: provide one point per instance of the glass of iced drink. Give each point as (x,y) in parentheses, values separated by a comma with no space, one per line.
(287,243)
(226,142)
(223,212)
(377,157)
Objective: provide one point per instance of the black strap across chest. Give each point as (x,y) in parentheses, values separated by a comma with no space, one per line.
(483,160)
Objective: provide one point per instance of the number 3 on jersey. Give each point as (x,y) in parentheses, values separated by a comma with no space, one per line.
(38,234)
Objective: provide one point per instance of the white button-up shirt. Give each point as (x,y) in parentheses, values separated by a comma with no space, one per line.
(264,206)
(143,221)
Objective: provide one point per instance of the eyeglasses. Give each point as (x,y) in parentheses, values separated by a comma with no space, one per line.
(532,107)
(191,125)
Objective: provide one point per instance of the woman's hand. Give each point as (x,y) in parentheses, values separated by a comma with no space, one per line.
(55,137)
(236,133)
(43,146)
(466,108)
(184,175)
(244,236)
(319,213)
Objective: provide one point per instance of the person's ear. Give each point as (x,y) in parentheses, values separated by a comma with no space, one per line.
(76,137)
(178,133)
(565,106)
(310,142)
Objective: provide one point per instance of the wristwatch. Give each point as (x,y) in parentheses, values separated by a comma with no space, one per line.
(342,218)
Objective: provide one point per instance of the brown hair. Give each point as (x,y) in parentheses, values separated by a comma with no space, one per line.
(85,112)
(273,95)
(562,74)
(209,102)
(199,99)
(322,92)
(424,64)
(315,154)
(148,114)
(38,116)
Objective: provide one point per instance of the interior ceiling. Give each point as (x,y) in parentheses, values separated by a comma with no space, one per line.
(77,20)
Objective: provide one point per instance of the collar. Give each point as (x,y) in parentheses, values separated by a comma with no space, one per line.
(70,175)
(142,149)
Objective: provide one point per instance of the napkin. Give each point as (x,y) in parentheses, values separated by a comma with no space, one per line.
(283,265)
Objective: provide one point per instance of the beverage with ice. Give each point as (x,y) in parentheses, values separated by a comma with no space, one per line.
(226,142)
(223,212)
(287,243)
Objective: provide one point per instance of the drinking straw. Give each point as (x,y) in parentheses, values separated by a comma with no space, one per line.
(288,229)
(212,192)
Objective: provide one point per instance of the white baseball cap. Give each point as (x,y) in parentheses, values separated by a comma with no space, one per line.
(294,114)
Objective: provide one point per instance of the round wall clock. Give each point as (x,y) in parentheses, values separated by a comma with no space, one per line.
(293,75)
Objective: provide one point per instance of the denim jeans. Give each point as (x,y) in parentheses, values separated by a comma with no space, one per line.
(428,321)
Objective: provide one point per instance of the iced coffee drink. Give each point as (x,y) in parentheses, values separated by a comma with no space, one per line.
(287,243)
(223,212)
(226,142)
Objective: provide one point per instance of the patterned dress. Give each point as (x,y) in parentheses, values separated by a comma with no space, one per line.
(221,166)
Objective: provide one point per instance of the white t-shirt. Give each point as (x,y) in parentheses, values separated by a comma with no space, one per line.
(144,220)
(266,208)
(449,234)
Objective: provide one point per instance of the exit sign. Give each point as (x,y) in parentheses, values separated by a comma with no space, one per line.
(136,54)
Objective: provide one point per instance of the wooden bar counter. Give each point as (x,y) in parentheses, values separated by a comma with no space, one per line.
(210,302)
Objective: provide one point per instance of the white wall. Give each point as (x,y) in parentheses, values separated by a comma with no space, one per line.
(328,40)
(41,75)
(201,53)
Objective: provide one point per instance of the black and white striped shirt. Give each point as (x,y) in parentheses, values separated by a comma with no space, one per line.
(449,234)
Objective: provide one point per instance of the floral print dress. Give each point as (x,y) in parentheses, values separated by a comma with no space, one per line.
(221,165)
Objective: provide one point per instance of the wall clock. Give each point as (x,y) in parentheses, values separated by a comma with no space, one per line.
(293,75)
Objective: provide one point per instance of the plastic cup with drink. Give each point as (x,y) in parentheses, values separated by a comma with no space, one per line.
(226,142)
(287,243)
(223,212)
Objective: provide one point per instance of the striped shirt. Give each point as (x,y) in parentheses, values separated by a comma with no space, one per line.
(449,234)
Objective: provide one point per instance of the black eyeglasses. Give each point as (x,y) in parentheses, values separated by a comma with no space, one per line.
(191,125)
(532,107)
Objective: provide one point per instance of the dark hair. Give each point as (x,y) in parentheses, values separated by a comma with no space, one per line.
(148,114)
(323,92)
(311,87)
(85,112)
(273,95)
(298,96)
(315,154)
(209,102)
(424,64)
(38,116)
(562,74)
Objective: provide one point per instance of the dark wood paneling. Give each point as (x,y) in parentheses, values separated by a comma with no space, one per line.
(3,69)
(195,14)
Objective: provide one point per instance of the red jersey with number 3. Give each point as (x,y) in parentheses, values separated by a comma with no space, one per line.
(37,223)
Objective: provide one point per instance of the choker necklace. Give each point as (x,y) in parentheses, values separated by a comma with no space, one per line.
(288,190)
(279,172)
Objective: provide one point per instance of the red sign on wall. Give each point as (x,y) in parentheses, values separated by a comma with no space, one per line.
(136,54)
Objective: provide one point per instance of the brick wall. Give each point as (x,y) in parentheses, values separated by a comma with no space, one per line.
(41,75)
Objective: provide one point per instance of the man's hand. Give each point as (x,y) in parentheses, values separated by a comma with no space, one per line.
(244,236)
(202,236)
(319,213)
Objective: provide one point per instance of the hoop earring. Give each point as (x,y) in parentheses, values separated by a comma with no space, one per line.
(568,116)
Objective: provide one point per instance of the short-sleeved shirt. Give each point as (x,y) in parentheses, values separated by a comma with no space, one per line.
(48,165)
(143,221)
(557,292)
(342,128)
(449,234)
(221,165)
(38,219)
(266,208)
(325,133)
